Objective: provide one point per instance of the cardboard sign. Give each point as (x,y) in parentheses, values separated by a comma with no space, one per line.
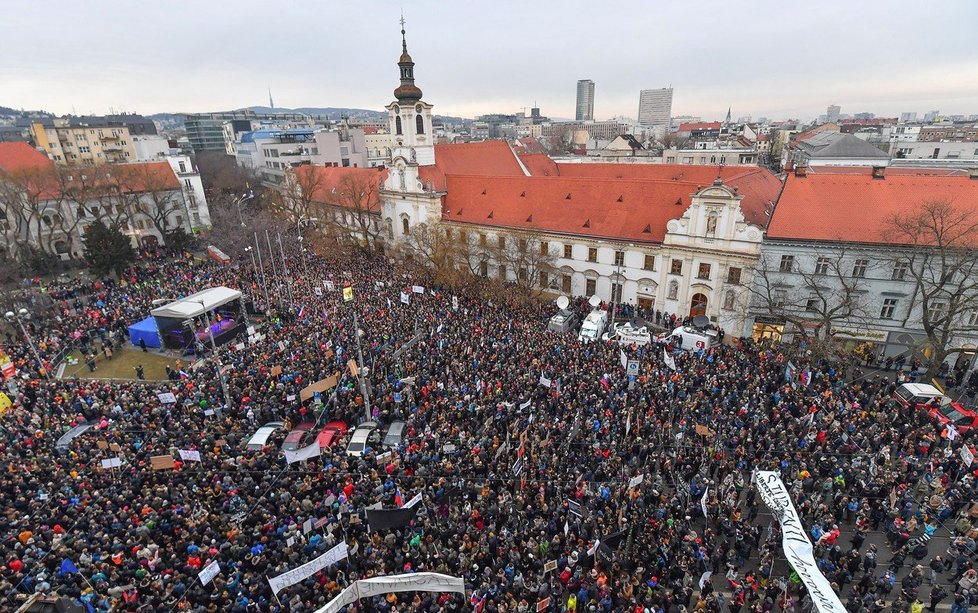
(549,566)
(705,431)
(276,371)
(354,370)
(102,444)
(543,604)
(162,462)
(319,386)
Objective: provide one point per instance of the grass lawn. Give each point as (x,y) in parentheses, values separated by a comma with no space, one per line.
(122,365)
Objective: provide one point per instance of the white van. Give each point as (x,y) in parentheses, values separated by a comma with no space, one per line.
(593,326)
(691,339)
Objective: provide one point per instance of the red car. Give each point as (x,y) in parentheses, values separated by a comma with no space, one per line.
(331,433)
(294,439)
(952,412)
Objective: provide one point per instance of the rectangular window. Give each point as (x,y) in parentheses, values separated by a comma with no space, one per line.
(811,304)
(592,254)
(859,268)
(543,278)
(565,284)
(568,251)
(780,298)
(900,271)
(522,245)
(649,262)
(889,306)
(502,273)
(619,258)
(616,292)
(484,269)
(787,263)
(591,287)
(936,312)
(502,242)
(544,248)
(482,241)
(972,317)
(733,276)
(822,266)
(677,267)
(704,271)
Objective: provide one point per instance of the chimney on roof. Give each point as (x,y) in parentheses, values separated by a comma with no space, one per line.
(801,171)
(878,172)
(789,165)
(973,173)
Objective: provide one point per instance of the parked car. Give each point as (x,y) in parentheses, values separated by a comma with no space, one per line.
(362,436)
(297,435)
(261,436)
(395,434)
(331,433)
(938,406)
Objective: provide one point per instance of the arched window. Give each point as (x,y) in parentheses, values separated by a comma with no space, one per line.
(419,122)
(406,226)
(397,125)
(673,290)
(390,229)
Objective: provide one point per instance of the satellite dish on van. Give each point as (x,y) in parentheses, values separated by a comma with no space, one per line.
(594,301)
(701,321)
(562,302)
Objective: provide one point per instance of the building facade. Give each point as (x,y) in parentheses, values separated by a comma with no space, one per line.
(84,144)
(851,276)
(655,106)
(585,100)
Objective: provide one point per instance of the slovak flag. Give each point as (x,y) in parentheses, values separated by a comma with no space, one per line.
(806,377)
(397,498)
(302,311)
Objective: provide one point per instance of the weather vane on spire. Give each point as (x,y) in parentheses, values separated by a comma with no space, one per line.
(403,39)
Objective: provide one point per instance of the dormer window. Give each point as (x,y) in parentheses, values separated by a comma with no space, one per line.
(397,125)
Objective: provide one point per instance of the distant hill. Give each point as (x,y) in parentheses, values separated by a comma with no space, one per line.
(6,111)
(337,113)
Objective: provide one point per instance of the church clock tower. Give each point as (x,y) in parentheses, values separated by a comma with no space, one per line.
(409,116)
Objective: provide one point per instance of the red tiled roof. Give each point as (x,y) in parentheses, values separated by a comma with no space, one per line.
(485,158)
(540,165)
(702,125)
(529,144)
(19,156)
(330,181)
(758,186)
(139,177)
(838,206)
(592,208)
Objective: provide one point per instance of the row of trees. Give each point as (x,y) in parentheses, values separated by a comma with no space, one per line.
(934,249)
(43,208)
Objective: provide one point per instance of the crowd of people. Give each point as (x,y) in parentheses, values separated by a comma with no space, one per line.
(524,445)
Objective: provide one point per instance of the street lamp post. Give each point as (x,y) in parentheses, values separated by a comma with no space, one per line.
(303,220)
(246,196)
(19,317)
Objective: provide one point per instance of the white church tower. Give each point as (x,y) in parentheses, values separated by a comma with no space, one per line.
(407,202)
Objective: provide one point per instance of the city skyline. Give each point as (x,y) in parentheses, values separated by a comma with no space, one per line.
(212,60)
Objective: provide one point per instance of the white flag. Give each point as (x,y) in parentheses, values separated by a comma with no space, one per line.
(594,547)
(566,528)
(967,456)
(624,359)
(545,382)
(305,453)
(628,423)
(703,502)
(417,289)
(636,480)
(670,361)
(405,299)
(190,455)
(705,577)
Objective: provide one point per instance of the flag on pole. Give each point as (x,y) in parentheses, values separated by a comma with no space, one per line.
(398,501)
(624,359)
(302,311)
(670,361)
(67,567)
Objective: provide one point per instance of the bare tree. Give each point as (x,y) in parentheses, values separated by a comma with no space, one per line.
(358,193)
(302,188)
(941,259)
(158,192)
(528,254)
(815,297)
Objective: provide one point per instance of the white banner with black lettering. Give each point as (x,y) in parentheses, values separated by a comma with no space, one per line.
(297,574)
(794,540)
(377,586)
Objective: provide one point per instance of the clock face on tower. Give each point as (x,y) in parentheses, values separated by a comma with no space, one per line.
(418,109)
(397,109)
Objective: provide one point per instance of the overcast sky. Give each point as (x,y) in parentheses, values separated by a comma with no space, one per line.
(764,58)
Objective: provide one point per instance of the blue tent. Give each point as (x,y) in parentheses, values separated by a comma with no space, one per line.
(146,331)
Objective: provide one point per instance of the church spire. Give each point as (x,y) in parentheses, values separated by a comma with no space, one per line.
(407,91)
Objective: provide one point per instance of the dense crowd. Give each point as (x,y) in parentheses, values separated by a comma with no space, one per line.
(514,474)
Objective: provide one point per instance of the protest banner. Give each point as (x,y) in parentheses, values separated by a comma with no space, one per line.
(162,462)
(167,398)
(378,586)
(319,386)
(208,573)
(189,455)
(299,573)
(305,453)
(794,540)
(636,480)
